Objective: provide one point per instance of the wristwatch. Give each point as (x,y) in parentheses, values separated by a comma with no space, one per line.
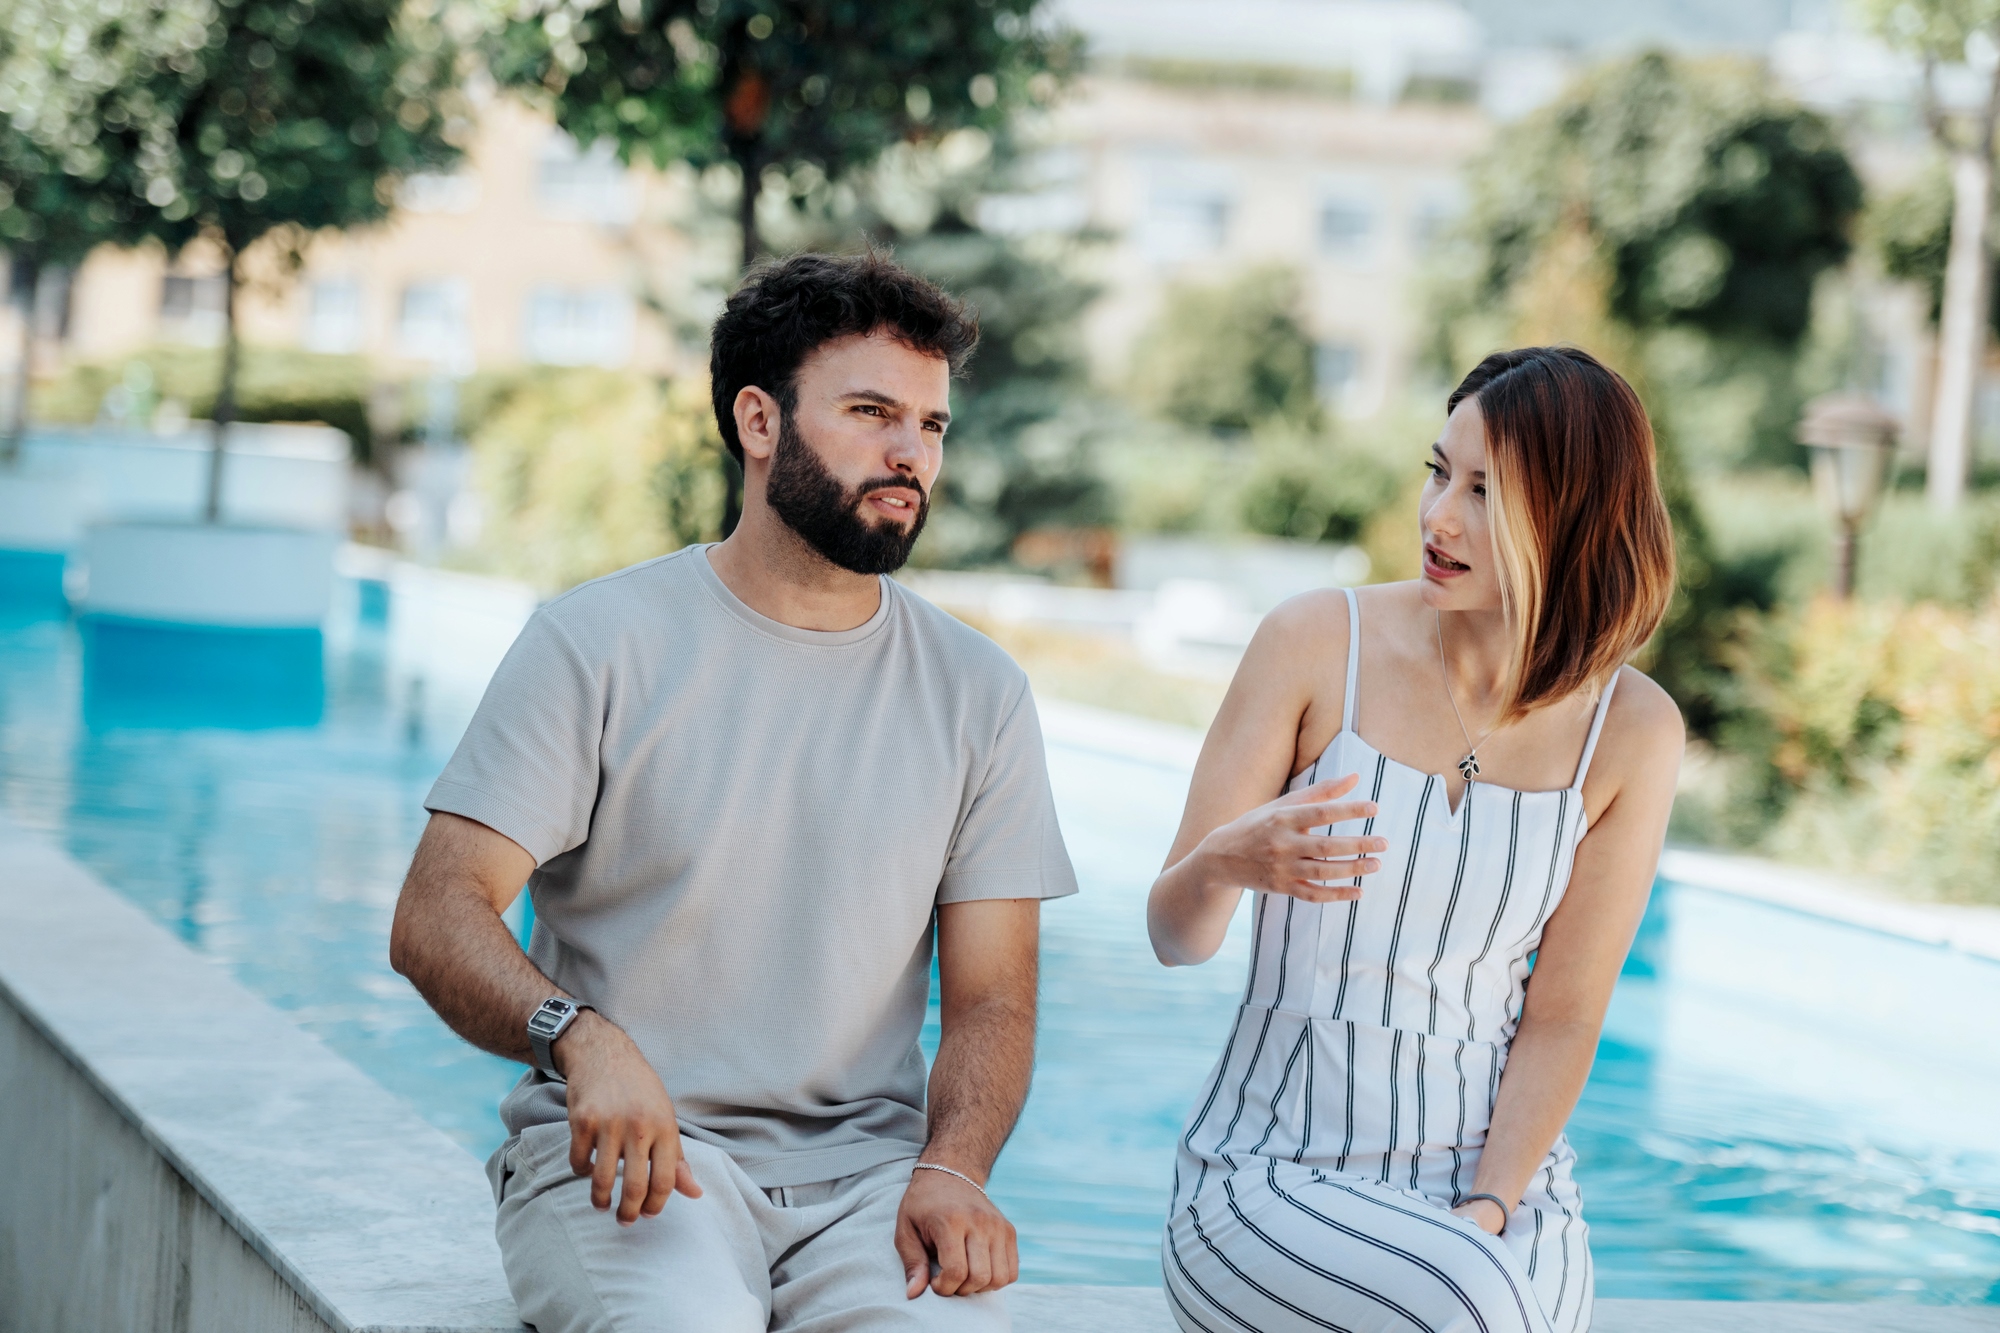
(546,1024)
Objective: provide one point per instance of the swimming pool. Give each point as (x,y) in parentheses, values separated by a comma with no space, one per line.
(1783,1107)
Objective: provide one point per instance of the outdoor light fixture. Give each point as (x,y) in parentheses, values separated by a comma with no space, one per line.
(1851,438)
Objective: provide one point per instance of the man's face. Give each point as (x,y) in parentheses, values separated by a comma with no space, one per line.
(860,450)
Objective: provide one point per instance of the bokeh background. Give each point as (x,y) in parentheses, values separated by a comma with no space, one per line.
(1229,257)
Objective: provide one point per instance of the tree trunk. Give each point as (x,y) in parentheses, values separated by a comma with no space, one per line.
(746,208)
(23,280)
(746,221)
(225,392)
(1961,326)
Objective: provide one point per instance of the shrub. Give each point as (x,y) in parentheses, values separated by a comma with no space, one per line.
(274,384)
(584,472)
(1873,735)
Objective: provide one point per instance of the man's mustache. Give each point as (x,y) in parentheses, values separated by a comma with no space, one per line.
(894,484)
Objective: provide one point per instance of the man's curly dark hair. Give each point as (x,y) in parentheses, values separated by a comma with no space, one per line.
(787,309)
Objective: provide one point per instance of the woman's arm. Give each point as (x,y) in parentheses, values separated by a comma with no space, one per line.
(1584,946)
(1234,835)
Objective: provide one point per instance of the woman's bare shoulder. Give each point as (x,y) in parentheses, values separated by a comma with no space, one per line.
(1643,724)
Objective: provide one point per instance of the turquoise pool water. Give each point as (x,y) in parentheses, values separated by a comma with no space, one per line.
(1783,1108)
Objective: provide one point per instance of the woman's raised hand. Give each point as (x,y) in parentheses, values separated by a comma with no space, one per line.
(1273,849)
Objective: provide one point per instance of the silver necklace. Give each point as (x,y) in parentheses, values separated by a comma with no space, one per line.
(1468,767)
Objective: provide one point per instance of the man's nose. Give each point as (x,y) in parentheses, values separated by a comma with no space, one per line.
(906,452)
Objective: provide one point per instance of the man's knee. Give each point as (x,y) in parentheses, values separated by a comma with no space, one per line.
(573,1269)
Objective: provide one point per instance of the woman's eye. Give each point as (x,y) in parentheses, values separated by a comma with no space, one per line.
(1479,490)
(1434,470)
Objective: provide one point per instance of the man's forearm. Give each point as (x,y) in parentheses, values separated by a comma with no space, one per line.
(979,1083)
(461,957)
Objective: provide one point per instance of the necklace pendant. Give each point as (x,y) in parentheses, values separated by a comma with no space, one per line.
(1468,767)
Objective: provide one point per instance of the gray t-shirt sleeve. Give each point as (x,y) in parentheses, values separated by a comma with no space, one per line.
(1010,845)
(527,766)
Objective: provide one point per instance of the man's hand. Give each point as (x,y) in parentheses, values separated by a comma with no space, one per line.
(945,1219)
(618,1108)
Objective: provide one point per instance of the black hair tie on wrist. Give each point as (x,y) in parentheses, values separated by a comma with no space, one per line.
(1505,1211)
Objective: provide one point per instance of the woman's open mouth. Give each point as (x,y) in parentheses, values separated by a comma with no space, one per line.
(1440,565)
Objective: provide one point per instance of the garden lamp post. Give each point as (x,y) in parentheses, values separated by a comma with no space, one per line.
(1851,438)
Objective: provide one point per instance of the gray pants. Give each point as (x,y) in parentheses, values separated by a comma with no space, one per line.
(817,1258)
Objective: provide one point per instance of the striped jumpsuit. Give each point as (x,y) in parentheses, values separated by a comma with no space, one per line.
(1346,1115)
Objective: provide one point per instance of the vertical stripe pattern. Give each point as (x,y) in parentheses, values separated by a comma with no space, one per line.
(1348,1110)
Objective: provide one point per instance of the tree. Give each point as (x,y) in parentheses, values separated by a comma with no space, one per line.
(1231,357)
(1938,32)
(770,85)
(297,115)
(78,135)
(1663,205)
(773,86)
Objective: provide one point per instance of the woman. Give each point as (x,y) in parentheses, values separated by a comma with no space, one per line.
(1477,787)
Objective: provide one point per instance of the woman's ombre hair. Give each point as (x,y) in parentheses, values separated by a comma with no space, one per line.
(1580,530)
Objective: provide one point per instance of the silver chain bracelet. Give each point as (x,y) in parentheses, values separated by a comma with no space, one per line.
(933,1166)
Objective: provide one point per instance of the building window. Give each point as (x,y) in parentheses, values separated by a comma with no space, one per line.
(1345,227)
(439,192)
(1337,373)
(433,325)
(333,316)
(1437,209)
(1186,223)
(192,309)
(579,328)
(583,185)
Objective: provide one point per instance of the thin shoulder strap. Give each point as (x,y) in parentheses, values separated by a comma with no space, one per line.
(1354,660)
(1596,726)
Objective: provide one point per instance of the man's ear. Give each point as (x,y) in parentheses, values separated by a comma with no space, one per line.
(758,420)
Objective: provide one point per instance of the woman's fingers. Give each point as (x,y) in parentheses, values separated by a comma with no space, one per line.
(1314,793)
(1342,849)
(1322,813)
(1313,891)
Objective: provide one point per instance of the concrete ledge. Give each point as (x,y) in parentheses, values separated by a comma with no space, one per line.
(191,1160)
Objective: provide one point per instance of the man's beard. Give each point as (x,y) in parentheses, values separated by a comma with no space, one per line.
(813,503)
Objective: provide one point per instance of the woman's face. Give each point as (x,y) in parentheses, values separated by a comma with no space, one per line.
(1459,570)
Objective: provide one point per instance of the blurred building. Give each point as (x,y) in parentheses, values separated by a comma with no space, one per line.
(532,253)
(1329,136)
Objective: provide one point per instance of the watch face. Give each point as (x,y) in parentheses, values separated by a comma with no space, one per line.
(550,1016)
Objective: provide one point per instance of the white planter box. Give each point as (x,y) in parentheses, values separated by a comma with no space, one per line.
(209,575)
(41,510)
(273,476)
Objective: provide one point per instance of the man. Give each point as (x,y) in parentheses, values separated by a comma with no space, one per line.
(744,783)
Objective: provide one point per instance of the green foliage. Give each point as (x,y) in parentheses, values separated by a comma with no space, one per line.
(779,83)
(1309,489)
(586,471)
(1024,427)
(1910,233)
(274,384)
(1934,30)
(1873,743)
(1230,357)
(302,114)
(79,130)
(1715,202)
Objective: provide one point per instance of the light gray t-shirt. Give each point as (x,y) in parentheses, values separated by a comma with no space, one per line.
(741,833)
